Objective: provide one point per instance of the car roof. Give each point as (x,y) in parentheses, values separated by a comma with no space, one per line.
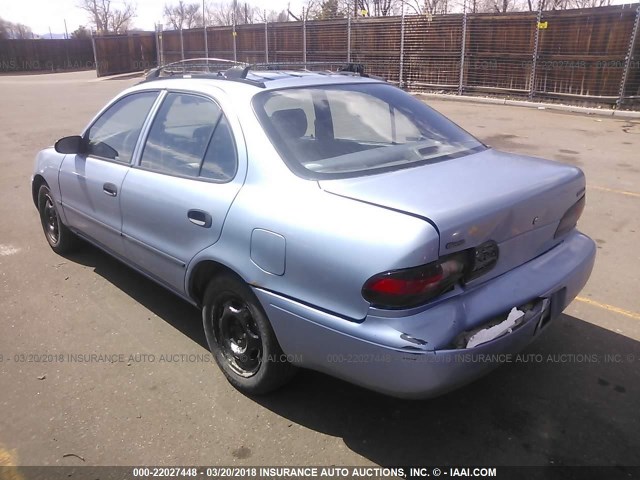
(254,81)
(275,79)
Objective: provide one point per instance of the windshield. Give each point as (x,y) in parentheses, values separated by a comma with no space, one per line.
(337,131)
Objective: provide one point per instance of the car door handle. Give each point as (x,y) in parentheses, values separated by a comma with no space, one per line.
(199,218)
(110,189)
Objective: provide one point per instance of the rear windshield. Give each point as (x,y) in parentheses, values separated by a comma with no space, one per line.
(337,131)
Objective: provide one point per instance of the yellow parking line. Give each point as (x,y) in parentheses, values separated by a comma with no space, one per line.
(8,462)
(613,190)
(611,308)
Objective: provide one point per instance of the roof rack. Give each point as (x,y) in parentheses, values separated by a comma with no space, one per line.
(221,68)
(192,65)
(337,67)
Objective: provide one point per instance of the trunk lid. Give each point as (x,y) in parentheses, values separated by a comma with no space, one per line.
(470,200)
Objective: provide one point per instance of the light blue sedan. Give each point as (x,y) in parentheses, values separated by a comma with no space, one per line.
(322,220)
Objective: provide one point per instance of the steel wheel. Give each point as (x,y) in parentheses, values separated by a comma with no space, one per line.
(60,238)
(241,338)
(50,219)
(238,336)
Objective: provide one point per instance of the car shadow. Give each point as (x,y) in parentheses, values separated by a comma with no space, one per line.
(571,398)
(181,315)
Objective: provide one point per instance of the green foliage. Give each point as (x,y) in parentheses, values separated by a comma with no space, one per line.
(329,9)
(81,32)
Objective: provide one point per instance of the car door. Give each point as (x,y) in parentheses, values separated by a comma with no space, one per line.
(90,183)
(175,201)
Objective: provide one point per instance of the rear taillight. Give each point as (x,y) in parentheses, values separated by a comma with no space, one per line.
(570,218)
(413,286)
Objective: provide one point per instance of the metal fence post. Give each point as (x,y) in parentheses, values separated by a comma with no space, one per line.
(463,48)
(161,38)
(628,58)
(95,56)
(349,37)
(534,60)
(400,79)
(158,52)
(181,44)
(234,34)
(204,27)
(266,38)
(304,40)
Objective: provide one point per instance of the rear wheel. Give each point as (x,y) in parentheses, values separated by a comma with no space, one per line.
(241,339)
(60,238)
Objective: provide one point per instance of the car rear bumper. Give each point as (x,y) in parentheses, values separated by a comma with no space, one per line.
(411,356)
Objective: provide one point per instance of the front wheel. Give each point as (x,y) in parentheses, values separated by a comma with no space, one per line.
(241,339)
(60,238)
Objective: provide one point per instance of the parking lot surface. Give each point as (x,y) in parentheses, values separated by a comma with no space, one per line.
(572,399)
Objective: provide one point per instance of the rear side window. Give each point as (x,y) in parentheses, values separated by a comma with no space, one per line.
(114,134)
(220,160)
(190,136)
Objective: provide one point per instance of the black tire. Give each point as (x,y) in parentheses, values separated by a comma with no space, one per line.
(241,339)
(60,238)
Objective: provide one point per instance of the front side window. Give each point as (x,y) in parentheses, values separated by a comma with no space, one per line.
(190,136)
(114,134)
(336,131)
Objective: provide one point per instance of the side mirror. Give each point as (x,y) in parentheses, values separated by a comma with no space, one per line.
(70,145)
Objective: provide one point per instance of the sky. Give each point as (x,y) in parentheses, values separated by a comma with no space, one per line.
(41,15)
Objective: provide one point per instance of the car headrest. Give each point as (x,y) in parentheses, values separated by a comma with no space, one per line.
(291,123)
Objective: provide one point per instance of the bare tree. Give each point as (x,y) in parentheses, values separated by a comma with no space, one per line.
(107,18)
(503,6)
(220,14)
(426,7)
(534,5)
(21,31)
(183,15)
(499,6)
(321,9)
(120,20)
(590,3)
(14,30)
(555,4)
(224,13)
(377,8)
(310,9)
(272,16)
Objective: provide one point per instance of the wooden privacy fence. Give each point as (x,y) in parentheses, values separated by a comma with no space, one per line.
(125,53)
(26,55)
(585,54)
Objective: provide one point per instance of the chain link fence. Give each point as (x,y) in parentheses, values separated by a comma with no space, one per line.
(588,55)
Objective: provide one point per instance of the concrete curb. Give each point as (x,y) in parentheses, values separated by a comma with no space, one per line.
(540,106)
(120,76)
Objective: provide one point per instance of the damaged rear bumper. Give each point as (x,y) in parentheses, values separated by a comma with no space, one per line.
(421,355)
